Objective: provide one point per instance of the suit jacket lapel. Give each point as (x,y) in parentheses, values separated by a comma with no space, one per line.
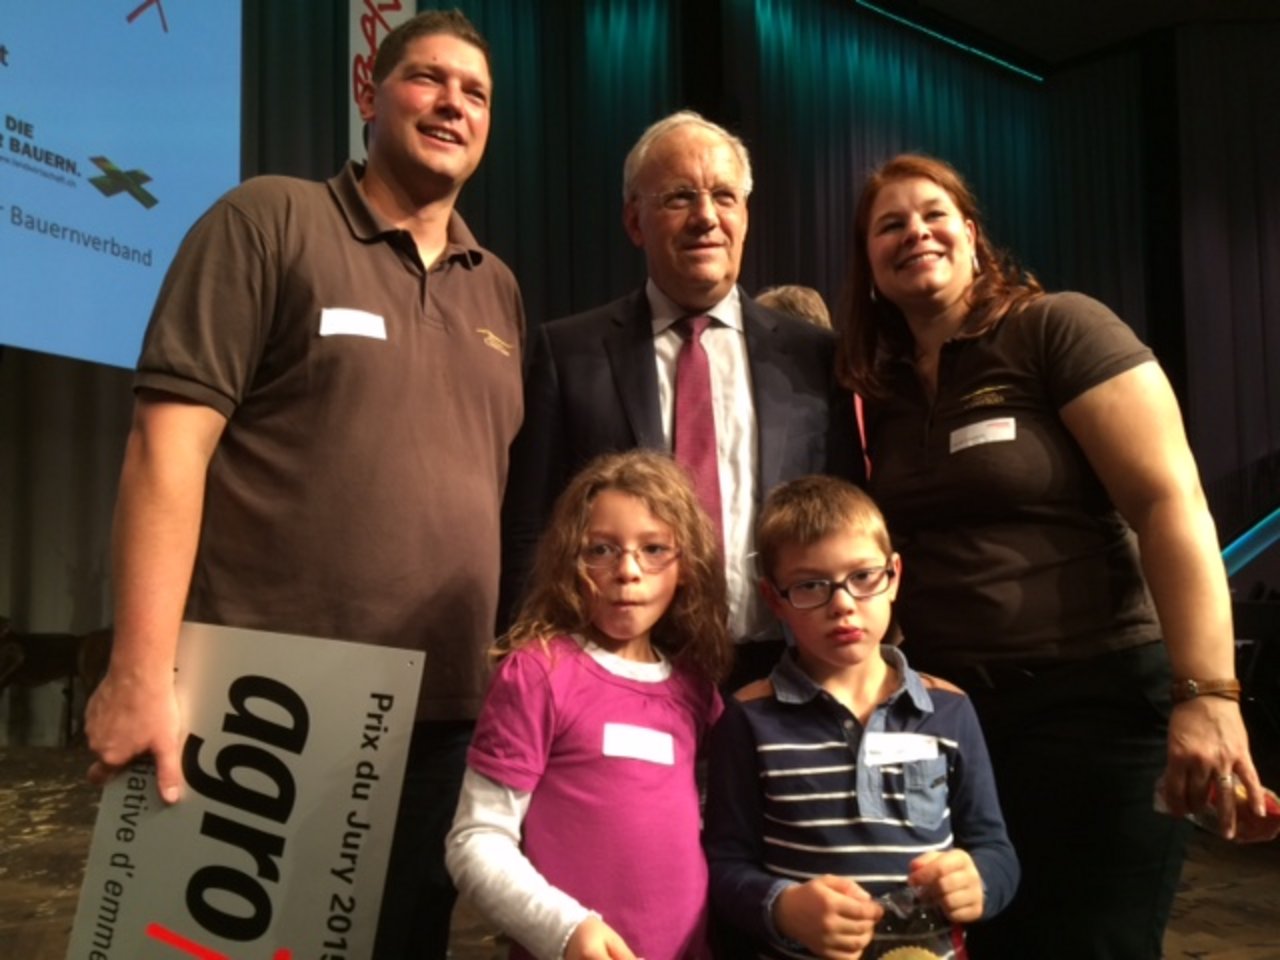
(770,389)
(629,346)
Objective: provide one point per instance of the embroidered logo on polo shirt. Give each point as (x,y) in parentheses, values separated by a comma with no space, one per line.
(986,397)
(494,342)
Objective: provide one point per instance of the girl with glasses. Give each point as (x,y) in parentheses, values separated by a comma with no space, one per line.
(577,832)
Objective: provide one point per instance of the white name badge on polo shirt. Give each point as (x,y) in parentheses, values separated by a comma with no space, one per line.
(346,322)
(1000,430)
(639,743)
(884,748)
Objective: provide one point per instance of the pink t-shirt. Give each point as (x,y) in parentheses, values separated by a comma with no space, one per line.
(613,819)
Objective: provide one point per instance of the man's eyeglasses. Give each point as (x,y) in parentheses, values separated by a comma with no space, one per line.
(861,585)
(686,198)
(650,557)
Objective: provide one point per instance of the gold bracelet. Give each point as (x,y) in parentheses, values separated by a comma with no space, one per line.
(1184,690)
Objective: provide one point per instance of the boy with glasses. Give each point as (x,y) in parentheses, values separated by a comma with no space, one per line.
(846,784)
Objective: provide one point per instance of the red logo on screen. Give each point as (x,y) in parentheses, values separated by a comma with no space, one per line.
(141,9)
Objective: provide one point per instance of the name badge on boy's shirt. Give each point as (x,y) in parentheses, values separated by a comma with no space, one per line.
(885,748)
(1000,430)
(345,321)
(639,743)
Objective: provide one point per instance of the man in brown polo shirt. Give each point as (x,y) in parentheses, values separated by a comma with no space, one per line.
(325,397)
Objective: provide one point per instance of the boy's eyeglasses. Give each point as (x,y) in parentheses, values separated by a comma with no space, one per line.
(650,557)
(861,585)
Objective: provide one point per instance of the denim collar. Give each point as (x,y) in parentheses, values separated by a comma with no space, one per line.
(792,685)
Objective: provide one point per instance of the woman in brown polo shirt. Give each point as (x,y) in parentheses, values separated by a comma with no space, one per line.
(1018,441)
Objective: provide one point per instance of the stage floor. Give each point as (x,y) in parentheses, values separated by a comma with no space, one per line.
(1228,905)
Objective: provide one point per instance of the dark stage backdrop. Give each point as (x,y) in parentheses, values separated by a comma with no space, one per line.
(1146,177)
(826,92)
(575,83)
(820,90)
(1228,90)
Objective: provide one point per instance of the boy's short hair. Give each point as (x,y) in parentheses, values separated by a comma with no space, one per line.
(805,510)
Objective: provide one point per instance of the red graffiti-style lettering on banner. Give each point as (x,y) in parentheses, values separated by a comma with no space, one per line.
(362,63)
(166,936)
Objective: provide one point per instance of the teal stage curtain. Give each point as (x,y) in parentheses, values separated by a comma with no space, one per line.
(295,90)
(821,90)
(575,83)
(1228,92)
(828,91)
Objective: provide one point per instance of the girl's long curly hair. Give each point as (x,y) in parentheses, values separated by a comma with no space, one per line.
(873,329)
(693,632)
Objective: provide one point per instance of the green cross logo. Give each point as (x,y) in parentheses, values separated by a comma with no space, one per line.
(114,180)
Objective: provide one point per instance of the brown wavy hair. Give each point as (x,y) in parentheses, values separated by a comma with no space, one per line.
(693,632)
(870,330)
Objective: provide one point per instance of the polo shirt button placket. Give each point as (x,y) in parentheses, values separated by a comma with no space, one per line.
(851,736)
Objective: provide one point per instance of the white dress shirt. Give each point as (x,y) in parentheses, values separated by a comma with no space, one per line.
(737,447)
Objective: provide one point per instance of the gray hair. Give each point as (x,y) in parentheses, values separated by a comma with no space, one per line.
(684,118)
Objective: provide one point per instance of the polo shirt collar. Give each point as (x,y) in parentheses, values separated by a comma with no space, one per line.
(792,685)
(368,225)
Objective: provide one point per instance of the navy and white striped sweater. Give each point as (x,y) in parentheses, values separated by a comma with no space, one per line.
(793,794)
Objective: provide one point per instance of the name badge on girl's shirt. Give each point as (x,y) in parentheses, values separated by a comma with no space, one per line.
(999,430)
(884,748)
(639,743)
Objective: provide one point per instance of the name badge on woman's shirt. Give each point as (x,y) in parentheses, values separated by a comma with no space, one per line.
(884,748)
(1000,430)
(639,743)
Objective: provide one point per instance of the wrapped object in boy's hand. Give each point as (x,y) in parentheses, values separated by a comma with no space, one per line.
(913,930)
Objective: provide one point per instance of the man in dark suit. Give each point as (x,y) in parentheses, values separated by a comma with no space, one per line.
(605,380)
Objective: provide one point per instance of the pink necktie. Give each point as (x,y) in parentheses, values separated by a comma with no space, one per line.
(695,423)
